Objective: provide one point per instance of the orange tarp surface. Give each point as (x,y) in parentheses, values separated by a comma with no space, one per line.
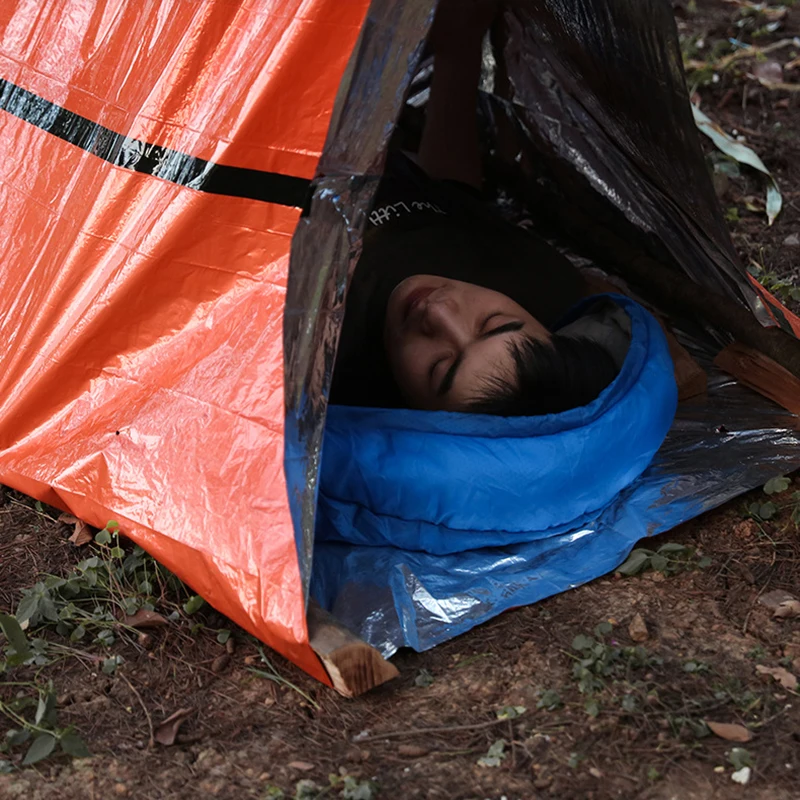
(141,352)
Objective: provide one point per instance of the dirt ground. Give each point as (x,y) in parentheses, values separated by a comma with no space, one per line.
(680,648)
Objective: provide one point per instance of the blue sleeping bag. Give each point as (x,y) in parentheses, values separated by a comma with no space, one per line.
(443,482)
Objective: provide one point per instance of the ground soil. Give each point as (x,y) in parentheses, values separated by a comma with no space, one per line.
(422,735)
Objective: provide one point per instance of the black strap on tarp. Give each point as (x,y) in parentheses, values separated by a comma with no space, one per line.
(151,159)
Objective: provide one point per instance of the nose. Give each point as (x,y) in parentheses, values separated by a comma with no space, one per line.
(443,317)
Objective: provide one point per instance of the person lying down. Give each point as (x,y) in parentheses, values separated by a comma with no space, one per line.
(451,308)
(479,398)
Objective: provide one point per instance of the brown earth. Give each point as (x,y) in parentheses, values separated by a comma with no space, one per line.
(423,734)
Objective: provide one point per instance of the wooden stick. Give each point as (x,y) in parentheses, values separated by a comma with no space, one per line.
(353,666)
(761,373)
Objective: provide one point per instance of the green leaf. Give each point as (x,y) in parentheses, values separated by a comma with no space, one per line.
(672,547)
(131,605)
(6,767)
(17,737)
(705,562)
(740,757)
(117,552)
(777,485)
(353,789)
(582,642)
(223,636)
(110,664)
(47,608)
(635,562)
(103,537)
(742,154)
(16,637)
(574,760)
(495,755)
(77,634)
(768,511)
(592,707)
(510,712)
(307,790)
(423,679)
(193,604)
(73,745)
(550,700)
(659,563)
(629,703)
(41,747)
(105,637)
(46,709)
(27,610)
(603,629)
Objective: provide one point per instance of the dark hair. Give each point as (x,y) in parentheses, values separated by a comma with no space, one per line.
(551,376)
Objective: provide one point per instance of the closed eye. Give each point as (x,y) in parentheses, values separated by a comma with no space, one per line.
(508,327)
(487,320)
(434,365)
(450,375)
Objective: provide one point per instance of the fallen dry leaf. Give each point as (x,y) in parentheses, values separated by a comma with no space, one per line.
(303,766)
(595,773)
(412,750)
(145,619)
(730,731)
(67,519)
(167,731)
(637,629)
(788,609)
(775,598)
(783,676)
(220,662)
(768,72)
(82,533)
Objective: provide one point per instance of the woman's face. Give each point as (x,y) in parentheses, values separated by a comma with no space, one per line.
(446,338)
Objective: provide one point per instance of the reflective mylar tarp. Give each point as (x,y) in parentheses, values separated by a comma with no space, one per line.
(590,130)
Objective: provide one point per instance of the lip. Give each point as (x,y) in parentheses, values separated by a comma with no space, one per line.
(415,298)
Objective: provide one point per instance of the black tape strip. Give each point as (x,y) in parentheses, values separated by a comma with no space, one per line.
(151,159)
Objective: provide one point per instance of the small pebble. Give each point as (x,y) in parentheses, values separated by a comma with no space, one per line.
(793,240)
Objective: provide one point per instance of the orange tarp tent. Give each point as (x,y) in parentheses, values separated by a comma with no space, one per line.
(153,156)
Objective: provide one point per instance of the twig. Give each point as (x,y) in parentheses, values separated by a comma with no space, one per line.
(438,729)
(739,55)
(752,52)
(780,85)
(152,741)
(750,611)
